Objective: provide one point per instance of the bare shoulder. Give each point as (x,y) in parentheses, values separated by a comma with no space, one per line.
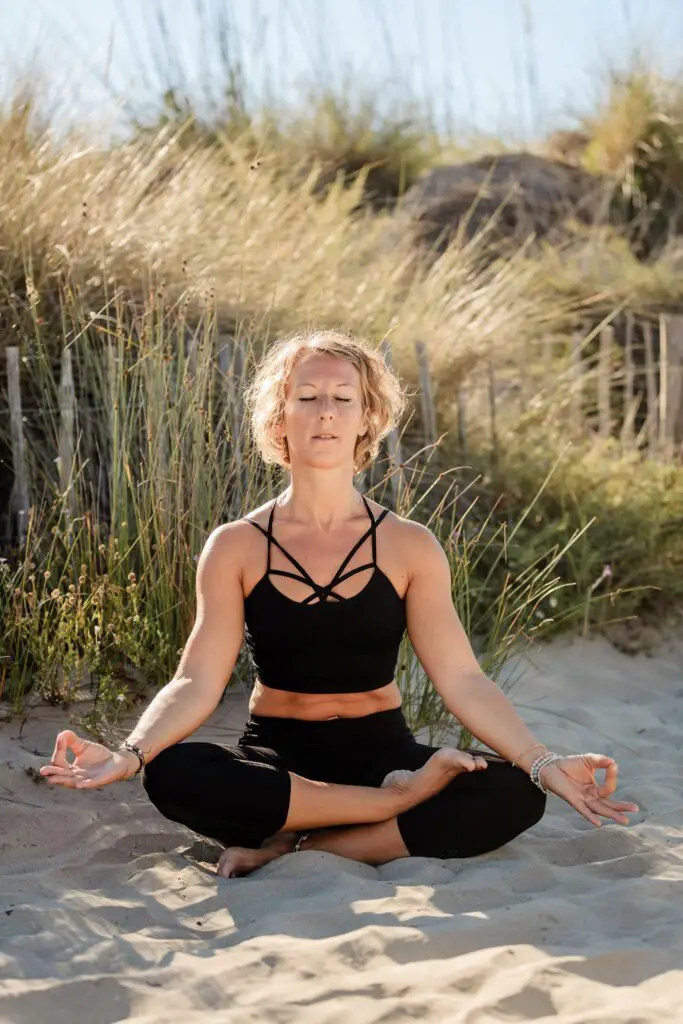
(420,547)
(227,543)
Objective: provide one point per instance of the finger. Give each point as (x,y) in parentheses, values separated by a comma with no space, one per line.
(620,805)
(474,764)
(602,808)
(55,771)
(587,813)
(66,781)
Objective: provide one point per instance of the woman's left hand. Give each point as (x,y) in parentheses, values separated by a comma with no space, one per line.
(573,778)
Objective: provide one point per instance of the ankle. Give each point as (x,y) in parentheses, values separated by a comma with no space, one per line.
(303,842)
(399,798)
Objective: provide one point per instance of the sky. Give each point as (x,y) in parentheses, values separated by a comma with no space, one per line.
(511,68)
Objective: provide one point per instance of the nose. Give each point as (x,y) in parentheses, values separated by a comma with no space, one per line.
(326,407)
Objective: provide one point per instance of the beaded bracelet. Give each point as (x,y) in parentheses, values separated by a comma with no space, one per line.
(539,764)
(138,753)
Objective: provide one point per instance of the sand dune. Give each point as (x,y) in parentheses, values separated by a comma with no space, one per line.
(108,912)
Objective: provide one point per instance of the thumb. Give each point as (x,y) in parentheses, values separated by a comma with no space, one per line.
(594,761)
(600,760)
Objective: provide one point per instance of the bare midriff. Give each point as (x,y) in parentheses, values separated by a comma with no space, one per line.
(321,706)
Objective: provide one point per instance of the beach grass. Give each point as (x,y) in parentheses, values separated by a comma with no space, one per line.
(139,254)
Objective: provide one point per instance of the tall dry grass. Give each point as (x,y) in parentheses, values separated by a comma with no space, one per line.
(119,252)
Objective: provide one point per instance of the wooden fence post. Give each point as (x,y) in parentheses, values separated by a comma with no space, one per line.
(671,384)
(663,382)
(393,443)
(20,491)
(191,341)
(109,481)
(548,355)
(630,403)
(651,388)
(604,381)
(67,408)
(491,382)
(577,382)
(461,399)
(426,396)
(231,365)
(525,355)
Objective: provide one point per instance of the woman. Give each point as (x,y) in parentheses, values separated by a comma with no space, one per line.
(326,760)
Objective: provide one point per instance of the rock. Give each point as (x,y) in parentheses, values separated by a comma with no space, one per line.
(516,194)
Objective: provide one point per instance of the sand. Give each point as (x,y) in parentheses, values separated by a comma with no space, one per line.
(107,912)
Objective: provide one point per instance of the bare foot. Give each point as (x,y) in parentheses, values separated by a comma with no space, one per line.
(235,861)
(444,765)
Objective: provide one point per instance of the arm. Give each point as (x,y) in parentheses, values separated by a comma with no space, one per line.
(444,651)
(209,655)
(189,698)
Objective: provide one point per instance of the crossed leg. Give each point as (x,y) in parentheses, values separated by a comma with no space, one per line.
(257,809)
(472,814)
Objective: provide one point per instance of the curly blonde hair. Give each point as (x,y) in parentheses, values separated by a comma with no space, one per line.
(383,396)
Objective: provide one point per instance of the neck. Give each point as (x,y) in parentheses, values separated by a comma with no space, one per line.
(321,501)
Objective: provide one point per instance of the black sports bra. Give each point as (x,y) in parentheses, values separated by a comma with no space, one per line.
(326,643)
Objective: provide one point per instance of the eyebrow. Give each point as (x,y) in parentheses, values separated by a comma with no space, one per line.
(340,384)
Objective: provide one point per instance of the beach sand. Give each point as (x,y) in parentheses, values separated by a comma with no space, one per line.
(108,913)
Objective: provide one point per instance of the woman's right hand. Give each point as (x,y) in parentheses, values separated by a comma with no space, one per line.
(93,764)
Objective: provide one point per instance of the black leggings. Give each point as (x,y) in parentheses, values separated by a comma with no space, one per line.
(239,795)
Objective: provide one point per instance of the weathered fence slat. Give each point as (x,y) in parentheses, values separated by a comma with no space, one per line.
(461,402)
(548,356)
(191,351)
(651,388)
(20,491)
(491,386)
(392,441)
(604,381)
(426,396)
(67,415)
(663,382)
(231,365)
(630,404)
(110,389)
(672,386)
(576,398)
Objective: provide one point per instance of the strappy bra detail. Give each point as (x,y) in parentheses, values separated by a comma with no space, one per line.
(351,650)
(322,593)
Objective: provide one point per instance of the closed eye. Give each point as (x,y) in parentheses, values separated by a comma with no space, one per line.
(313,399)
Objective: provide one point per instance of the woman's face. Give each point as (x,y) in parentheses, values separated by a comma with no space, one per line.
(323,411)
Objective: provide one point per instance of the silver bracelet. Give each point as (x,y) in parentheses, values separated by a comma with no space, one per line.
(539,764)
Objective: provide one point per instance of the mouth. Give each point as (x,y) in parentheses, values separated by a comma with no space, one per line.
(325,437)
